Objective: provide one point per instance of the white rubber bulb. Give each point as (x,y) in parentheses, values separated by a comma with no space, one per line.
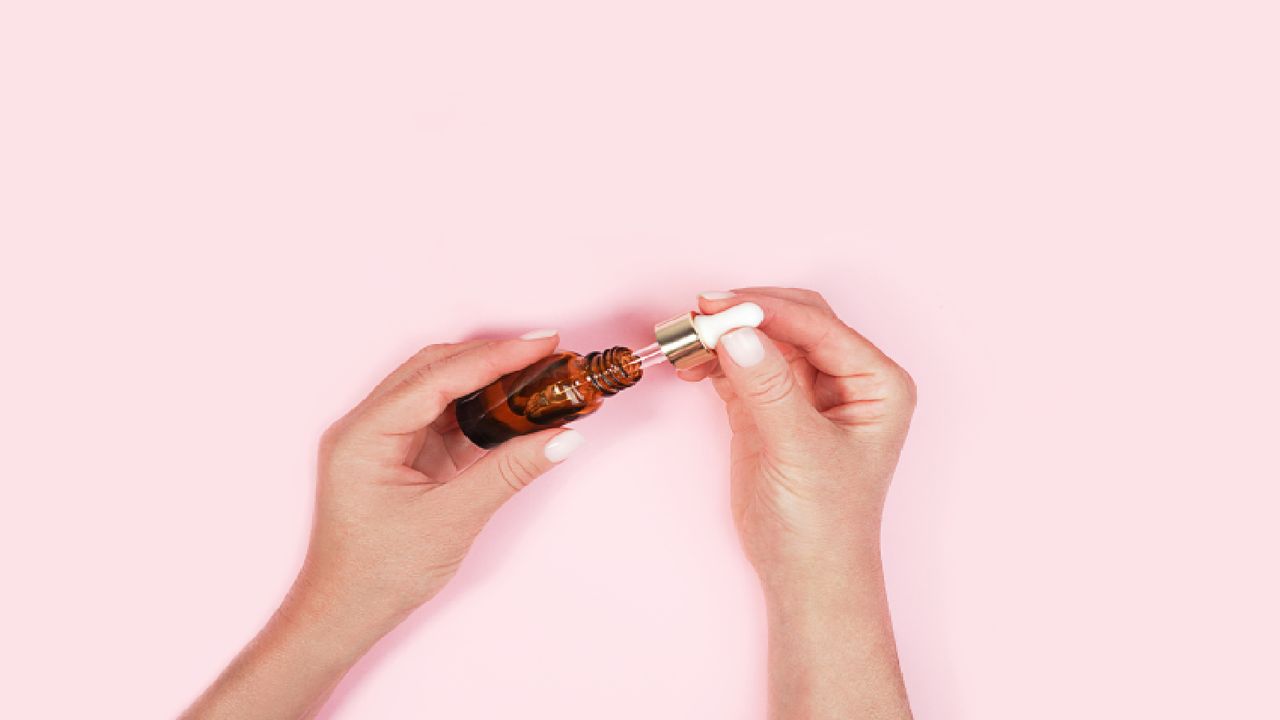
(711,327)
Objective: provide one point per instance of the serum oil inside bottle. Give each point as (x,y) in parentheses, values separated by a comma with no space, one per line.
(565,386)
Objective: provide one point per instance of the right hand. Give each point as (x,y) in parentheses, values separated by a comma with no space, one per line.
(819,416)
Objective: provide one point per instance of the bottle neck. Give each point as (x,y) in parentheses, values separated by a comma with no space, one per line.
(614,370)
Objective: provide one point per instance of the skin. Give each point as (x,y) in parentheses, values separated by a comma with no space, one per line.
(400,496)
(818,424)
(818,415)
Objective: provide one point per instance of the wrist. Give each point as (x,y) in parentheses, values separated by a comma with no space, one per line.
(830,593)
(292,664)
(821,567)
(329,624)
(831,647)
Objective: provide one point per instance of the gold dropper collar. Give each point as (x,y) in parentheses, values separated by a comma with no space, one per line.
(679,341)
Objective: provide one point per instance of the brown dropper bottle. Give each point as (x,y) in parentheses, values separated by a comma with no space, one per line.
(565,386)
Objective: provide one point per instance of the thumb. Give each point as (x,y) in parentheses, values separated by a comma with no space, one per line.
(510,467)
(763,382)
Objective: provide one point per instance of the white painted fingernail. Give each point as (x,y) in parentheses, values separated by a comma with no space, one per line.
(744,346)
(716,295)
(562,446)
(537,334)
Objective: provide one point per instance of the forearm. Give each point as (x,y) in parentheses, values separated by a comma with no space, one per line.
(292,666)
(831,646)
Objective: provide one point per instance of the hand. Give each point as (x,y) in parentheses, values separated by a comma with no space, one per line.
(402,492)
(819,416)
(400,497)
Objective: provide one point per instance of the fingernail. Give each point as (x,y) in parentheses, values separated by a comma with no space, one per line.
(537,334)
(716,295)
(744,346)
(562,446)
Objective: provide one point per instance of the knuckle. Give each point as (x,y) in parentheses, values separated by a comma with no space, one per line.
(517,470)
(906,384)
(424,380)
(424,353)
(333,438)
(773,386)
(420,374)
(813,297)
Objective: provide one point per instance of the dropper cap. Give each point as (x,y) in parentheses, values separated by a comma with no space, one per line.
(688,339)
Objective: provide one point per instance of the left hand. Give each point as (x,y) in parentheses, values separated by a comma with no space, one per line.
(402,493)
(400,496)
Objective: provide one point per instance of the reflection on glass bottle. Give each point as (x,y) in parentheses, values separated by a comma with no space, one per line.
(549,393)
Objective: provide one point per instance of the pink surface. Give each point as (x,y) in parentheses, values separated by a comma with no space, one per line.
(221,224)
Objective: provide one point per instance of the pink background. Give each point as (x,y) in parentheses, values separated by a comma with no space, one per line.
(223,222)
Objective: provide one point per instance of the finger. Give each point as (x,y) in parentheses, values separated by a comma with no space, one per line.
(423,394)
(765,386)
(431,458)
(724,389)
(453,453)
(443,455)
(461,449)
(699,372)
(831,346)
(800,295)
(425,356)
(509,468)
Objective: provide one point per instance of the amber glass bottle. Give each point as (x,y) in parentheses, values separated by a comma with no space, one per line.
(549,393)
(565,386)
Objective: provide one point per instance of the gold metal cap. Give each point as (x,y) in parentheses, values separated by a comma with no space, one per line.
(679,341)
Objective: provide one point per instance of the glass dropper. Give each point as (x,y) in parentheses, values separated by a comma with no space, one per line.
(649,355)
